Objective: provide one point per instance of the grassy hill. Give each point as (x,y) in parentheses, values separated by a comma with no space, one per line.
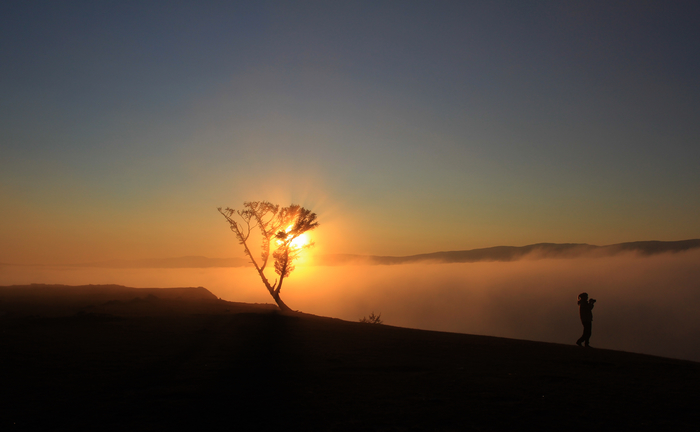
(211,364)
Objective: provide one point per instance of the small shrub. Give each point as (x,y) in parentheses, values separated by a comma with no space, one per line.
(373,319)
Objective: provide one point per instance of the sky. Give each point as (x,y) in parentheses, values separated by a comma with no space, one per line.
(408,127)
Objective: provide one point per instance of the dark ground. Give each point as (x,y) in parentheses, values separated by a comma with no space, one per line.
(203,364)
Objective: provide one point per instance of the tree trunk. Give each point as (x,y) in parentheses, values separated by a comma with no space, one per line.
(283,307)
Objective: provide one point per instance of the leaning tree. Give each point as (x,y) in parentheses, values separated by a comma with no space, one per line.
(280,230)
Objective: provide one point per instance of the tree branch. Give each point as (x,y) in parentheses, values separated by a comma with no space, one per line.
(283,225)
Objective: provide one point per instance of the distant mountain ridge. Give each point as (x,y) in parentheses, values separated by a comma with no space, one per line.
(95,301)
(513,253)
(97,293)
(179,262)
(496,253)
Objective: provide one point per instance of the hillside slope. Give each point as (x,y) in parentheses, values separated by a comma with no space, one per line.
(264,370)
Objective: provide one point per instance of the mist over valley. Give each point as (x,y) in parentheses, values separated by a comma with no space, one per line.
(646,302)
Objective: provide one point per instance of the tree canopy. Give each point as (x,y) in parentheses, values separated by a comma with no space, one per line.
(280,230)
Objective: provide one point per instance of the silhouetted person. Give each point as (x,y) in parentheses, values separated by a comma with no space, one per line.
(584,308)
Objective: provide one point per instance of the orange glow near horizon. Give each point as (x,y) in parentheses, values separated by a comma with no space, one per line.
(297,244)
(533,299)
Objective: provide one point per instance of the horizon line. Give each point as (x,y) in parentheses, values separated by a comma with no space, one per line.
(492,253)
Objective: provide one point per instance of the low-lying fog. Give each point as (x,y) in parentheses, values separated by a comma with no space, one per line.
(645,304)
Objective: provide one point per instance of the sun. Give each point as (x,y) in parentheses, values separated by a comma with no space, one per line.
(300,241)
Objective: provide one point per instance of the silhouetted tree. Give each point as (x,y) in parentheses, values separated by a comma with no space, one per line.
(278,227)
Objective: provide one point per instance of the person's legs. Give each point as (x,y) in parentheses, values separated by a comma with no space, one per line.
(587,328)
(586,334)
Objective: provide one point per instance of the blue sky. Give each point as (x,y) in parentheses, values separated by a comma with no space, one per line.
(408,126)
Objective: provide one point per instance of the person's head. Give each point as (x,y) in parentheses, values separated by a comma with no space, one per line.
(583,297)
